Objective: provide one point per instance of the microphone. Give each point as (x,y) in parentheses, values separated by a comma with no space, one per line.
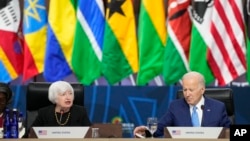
(61,112)
(202,107)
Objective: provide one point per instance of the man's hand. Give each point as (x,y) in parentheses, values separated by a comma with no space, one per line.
(139,132)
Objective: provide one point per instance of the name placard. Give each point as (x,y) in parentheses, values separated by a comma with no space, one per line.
(195,132)
(60,132)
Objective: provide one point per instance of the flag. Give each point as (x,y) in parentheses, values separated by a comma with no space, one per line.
(152,40)
(247,30)
(11,51)
(42,132)
(60,35)
(224,37)
(120,51)
(227,52)
(8,73)
(177,49)
(201,17)
(88,42)
(5,76)
(34,29)
(176,132)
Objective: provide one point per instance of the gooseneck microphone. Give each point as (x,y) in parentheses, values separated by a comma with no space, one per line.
(61,112)
(202,107)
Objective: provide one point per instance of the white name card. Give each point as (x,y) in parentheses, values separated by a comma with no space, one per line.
(60,132)
(195,132)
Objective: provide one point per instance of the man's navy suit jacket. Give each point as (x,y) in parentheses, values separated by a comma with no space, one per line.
(178,114)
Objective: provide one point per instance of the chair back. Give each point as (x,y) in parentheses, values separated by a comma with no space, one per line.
(37,97)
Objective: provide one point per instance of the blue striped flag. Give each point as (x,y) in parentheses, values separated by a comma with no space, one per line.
(87,52)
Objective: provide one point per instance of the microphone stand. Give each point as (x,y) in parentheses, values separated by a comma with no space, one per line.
(61,111)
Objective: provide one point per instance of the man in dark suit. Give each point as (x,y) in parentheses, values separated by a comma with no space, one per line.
(211,112)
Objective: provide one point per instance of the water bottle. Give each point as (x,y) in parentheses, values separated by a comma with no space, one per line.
(6,124)
(127,130)
(20,121)
(14,124)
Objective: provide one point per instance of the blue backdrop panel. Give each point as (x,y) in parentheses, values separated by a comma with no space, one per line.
(242,105)
(107,104)
(129,104)
(19,98)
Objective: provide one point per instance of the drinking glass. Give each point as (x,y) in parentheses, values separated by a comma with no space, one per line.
(152,124)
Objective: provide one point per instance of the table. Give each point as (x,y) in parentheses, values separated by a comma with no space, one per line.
(118,139)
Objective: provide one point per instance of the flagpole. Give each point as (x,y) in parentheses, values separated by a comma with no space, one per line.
(132,79)
(158,81)
(96,82)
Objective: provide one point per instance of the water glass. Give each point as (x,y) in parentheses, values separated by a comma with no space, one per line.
(152,124)
(1,133)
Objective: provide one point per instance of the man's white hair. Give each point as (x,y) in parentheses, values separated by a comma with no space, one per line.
(198,75)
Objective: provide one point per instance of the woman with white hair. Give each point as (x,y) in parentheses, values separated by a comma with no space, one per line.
(63,112)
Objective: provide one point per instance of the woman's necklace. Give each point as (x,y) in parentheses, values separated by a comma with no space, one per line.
(59,122)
